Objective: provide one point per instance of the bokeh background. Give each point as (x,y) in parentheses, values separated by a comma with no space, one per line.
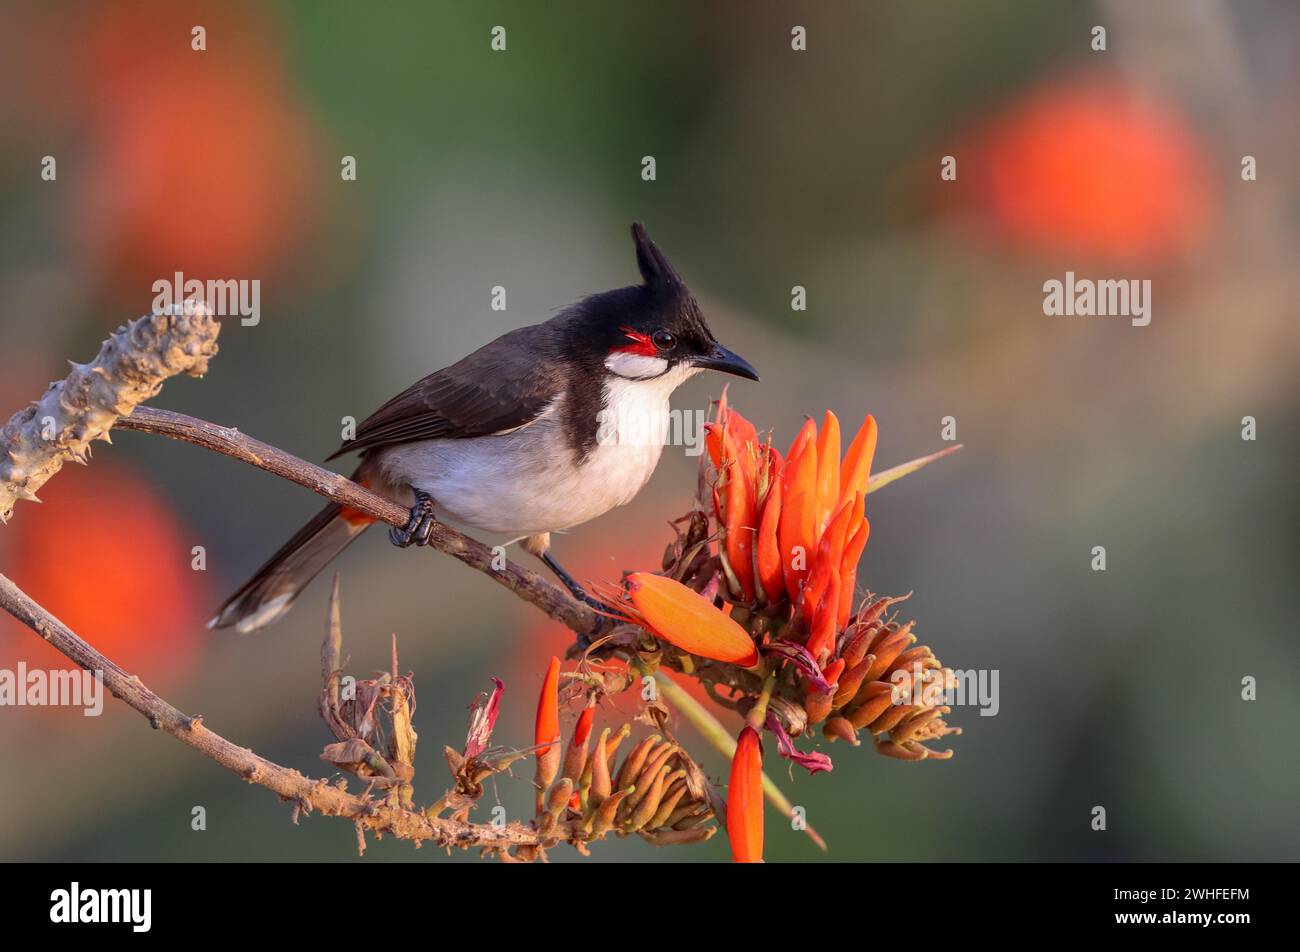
(775,168)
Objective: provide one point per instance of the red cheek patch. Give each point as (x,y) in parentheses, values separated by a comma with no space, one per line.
(641,343)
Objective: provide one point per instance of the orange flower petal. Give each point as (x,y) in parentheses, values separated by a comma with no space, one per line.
(807,434)
(547,728)
(827,563)
(744,432)
(548,707)
(828,470)
(740,522)
(822,640)
(745,799)
(713,443)
(856,468)
(775,464)
(722,405)
(833,671)
(797,529)
(770,573)
(849,568)
(582,730)
(684,618)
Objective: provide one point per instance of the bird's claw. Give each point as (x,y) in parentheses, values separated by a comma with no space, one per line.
(419,527)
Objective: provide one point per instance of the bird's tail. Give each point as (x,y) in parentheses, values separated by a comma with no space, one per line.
(268,595)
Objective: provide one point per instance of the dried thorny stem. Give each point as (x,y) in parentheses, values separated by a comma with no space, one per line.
(130,368)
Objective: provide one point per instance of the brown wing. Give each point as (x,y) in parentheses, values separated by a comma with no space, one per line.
(499,387)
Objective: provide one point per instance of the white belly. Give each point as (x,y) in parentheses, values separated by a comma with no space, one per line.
(528,481)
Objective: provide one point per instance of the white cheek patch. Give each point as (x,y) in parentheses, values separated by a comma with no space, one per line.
(635,366)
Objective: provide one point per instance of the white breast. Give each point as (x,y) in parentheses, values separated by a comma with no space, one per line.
(529,481)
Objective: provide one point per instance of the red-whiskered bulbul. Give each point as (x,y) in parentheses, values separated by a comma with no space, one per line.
(520,437)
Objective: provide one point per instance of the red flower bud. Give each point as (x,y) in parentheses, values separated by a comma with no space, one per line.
(684,618)
(745,799)
(547,728)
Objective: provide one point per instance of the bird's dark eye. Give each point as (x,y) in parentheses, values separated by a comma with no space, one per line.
(663,340)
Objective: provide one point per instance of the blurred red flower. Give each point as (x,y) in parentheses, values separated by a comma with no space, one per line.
(110,559)
(206,161)
(1091,166)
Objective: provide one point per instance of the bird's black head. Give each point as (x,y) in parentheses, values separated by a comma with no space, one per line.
(649,330)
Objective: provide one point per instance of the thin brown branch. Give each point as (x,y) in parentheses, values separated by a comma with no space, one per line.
(231,442)
(306,794)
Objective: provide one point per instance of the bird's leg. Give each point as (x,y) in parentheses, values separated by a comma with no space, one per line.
(539,545)
(570,583)
(419,527)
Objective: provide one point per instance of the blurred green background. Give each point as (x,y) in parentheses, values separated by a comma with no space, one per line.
(775,168)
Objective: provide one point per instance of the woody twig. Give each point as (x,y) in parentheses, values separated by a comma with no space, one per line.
(306,794)
(229,441)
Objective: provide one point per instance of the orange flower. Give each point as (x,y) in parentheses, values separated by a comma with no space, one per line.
(684,618)
(790,535)
(745,799)
(795,524)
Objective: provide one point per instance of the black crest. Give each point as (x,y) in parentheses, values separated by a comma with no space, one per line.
(654,267)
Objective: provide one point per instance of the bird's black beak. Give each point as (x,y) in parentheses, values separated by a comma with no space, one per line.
(719,358)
